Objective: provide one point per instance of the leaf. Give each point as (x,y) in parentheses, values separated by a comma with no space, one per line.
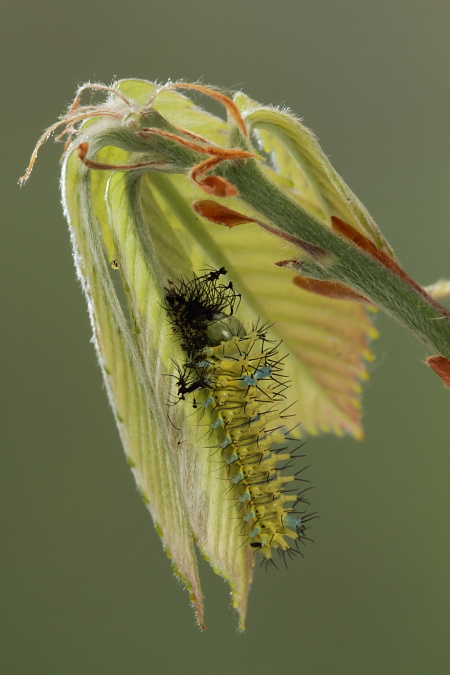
(140,217)
(136,398)
(166,450)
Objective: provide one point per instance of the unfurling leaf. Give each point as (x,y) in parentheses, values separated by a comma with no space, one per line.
(136,168)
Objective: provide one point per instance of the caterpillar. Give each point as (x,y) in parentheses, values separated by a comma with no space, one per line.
(244,385)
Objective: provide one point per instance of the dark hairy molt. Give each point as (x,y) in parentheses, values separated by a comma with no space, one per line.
(192,304)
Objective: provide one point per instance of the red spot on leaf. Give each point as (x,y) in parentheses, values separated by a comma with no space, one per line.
(329,289)
(216,213)
(82,150)
(217,186)
(349,232)
(441,366)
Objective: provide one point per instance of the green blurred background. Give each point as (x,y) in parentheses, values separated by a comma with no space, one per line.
(86,587)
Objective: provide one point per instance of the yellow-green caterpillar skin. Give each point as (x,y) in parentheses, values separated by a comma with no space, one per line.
(244,386)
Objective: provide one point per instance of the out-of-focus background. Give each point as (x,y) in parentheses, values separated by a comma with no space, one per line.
(86,587)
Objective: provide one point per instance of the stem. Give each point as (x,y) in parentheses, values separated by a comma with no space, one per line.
(348,265)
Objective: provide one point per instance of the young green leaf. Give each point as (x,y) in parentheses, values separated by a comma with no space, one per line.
(134,167)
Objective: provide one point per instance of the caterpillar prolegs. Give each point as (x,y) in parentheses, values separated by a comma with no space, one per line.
(244,388)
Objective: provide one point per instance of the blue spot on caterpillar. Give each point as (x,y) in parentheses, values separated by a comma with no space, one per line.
(244,384)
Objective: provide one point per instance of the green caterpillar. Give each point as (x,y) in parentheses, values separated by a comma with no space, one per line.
(244,385)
